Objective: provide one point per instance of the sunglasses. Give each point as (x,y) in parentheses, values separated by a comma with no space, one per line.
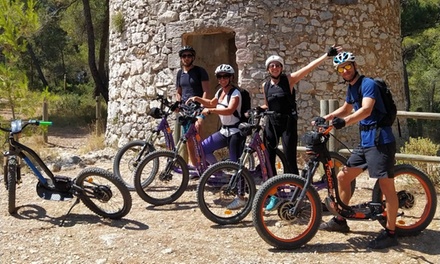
(346,67)
(187,56)
(223,76)
(275,65)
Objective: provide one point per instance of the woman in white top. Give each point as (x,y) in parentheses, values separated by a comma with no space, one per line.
(227,104)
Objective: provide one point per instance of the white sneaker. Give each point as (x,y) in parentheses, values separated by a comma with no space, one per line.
(236,203)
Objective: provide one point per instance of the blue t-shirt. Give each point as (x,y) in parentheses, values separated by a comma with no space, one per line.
(369,89)
(191,82)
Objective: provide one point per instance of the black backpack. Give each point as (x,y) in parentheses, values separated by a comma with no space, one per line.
(387,98)
(245,103)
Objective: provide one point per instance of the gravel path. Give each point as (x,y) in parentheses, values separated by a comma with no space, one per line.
(175,233)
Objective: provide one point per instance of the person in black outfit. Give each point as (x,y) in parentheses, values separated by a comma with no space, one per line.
(279,95)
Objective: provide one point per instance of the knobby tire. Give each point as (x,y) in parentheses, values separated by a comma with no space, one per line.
(280,228)
(417,199)
(103,193)
(130,155)
(12,186)
(213,197)
(159,186)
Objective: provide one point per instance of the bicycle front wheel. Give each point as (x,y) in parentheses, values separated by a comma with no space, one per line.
(103,193)
(165,184)
(224,196)
(11,184)
(291,221)
(128,158)
(417,200)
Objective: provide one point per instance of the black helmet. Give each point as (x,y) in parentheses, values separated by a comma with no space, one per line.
(187,48)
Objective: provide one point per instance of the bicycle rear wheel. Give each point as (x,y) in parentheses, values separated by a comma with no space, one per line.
(11,184)
(165,184)
(417,200)
(294,221)
(103,193)
(216,193)
(128,158)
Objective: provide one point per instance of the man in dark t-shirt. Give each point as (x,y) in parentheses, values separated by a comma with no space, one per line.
(191,80)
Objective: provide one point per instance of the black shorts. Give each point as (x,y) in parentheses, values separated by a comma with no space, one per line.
(379,160)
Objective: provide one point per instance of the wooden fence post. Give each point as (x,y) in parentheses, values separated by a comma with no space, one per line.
(98,116)
(45,118)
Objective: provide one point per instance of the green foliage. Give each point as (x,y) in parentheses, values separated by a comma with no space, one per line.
(421,48)
(418,15)
(75,109)
(424,146)
(19,22)
(118,22)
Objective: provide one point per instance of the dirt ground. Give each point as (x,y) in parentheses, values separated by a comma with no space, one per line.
(175,233)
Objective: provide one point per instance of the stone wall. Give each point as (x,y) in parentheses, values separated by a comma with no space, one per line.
(144,59)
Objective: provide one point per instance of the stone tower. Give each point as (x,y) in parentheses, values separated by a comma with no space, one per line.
(145,37)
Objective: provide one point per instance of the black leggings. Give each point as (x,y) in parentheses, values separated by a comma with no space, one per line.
(285,129)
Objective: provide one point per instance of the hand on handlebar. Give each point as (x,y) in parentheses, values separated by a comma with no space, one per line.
(318,121)
(191,100)
(254,111)
(338,123)
(175,106)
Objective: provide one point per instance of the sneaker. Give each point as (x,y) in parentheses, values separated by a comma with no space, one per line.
(236,204)
(273,203)
(334,225)
(383,240)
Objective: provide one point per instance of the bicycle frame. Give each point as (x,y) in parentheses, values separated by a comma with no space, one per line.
(318,152)
(256,145)
(19,150)
(190,133)
(165,128)
(163,125)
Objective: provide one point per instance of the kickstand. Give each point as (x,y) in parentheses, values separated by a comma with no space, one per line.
(68,212)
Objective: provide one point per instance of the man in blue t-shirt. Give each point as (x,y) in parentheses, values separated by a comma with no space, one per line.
(191,80)
(376,151)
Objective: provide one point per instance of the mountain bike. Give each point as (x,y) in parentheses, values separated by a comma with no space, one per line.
(297,218)
(129,155)
(97,188)
(238,179)
(163,175)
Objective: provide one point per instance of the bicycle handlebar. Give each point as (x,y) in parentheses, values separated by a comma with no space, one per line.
(164,101)
(18,125)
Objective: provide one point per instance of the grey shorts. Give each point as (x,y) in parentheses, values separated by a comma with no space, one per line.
(379,160)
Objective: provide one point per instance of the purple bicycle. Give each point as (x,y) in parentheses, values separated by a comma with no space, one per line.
(130,155)
(162,176)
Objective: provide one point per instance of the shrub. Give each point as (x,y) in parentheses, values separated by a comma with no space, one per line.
(424,146)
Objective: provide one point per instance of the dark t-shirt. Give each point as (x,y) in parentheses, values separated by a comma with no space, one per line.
(191,82)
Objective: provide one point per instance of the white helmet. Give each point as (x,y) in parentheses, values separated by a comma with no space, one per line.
(274,58)
(226,68)
(342,58)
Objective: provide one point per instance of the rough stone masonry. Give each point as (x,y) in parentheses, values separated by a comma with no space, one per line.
(146,35)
